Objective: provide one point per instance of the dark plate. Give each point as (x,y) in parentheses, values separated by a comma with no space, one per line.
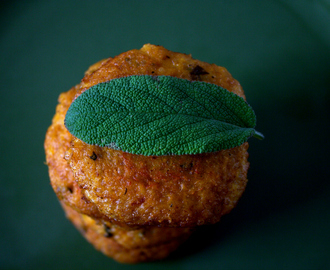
(280,53)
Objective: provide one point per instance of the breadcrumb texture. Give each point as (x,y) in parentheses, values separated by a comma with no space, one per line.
(112,196)
(124,246)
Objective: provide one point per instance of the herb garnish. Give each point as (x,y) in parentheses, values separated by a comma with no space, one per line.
(161,115)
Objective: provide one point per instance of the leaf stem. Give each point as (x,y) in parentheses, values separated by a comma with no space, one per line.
(258,135)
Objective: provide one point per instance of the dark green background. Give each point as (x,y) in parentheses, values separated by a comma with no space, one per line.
(280,53)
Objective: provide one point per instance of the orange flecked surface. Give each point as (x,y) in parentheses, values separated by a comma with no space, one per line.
(184,191)
(128,246)
(136,192)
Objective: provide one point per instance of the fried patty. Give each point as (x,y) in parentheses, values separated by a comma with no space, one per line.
(128,246)
(177,191)
(127,191)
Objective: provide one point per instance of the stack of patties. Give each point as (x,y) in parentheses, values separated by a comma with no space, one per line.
(137,208)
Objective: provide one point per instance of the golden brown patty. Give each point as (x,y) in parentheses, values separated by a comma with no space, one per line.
(183,190)
(113,187)
(128,246)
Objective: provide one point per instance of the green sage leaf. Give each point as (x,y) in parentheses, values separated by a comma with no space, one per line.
(161,115)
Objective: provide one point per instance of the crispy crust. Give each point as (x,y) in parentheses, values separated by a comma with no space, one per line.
(128,246)
(135,191)
(177,191)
